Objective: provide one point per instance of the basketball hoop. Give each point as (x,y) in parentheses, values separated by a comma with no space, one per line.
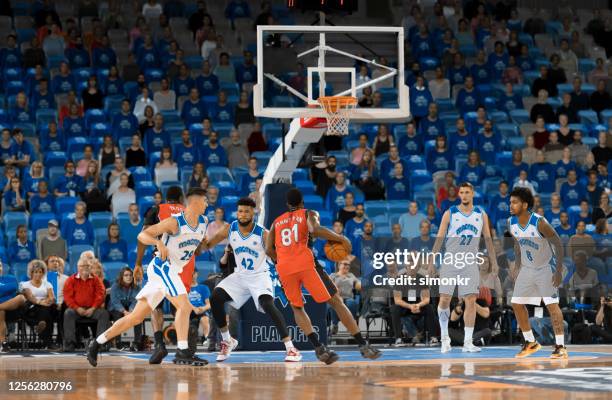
(339,110)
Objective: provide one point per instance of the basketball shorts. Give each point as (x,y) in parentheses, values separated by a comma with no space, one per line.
(163,280)
(466,279)
(534,284)
(314,280)
(243,286)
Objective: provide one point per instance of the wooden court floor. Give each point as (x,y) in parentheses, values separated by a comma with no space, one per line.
(409,373)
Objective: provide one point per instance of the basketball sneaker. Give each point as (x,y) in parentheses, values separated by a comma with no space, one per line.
(159,353)
(326,355)
(367,351)
(446,345)
(528,349)
(559,352)
(92,352)
(293,355)
(186,357)
(226,349)
(470,348)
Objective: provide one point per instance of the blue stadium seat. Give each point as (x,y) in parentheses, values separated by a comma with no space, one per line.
(605,115)
(305,186)
(420,177)
(144,203)
(588,117)
(326,218)
(397,206)
(263,157)
(414,162)
(65,204)
(424,197)
(300,174)
(44,116)
(140,174)
(506,129)
(94,116)
(586,65)
(314,202)
(99,129)
(100,219)
(445,105)
(229,202)
(171,116)
(111,269)
(519,116)
(76,144)
(55,159)
(74,252)
(516,142)
(219,174)
(145,188)
(11,220)
(342,158)
(428,63)
(167,185)
(40,221)
(206,268)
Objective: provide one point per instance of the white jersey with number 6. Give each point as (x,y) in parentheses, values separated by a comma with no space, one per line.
(536,250)
(249,250)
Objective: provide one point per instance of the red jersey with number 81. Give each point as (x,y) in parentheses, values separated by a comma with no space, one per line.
(291,238)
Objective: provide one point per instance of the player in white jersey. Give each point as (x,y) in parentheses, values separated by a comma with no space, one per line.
(251,279)
(180,237)
(538,270)
(460,231)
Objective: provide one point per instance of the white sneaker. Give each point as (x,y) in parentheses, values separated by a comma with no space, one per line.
(226,349)
(398,342)
(446,345)
(470,348)
(293,355)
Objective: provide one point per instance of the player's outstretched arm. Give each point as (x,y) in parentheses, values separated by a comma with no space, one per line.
(486,232)
(149,236)
(318,231)
(269,241)
(549,233)
(218,237)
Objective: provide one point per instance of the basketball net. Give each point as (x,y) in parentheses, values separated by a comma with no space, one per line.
(338,110)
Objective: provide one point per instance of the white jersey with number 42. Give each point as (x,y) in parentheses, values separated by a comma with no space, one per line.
(249,250)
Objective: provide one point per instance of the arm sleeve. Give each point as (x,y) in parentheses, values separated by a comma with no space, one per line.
(99,294)
(69,298)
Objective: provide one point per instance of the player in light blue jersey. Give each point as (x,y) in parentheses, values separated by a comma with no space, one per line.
(538,270)
(251,279)
(180,237)
(460,231)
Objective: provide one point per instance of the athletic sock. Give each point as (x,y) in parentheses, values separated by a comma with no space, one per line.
(528,335)
(314,339)
(288,345)
(560,340)
(443,316)
(159,338)
(469,332)
(226,335)
(102,339)
(359,339)
(182,345)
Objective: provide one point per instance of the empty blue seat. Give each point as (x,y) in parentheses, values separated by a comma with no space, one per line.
(314,202)
(144,203)
(55,159)
(519,116)
(140,174)
(65,204)
(112,269)
(206,268)
(420,177)
(216,173)
(588,117)
(428,63)
(305,186)
(40,221)
(300,174)
(74,252)
(145,188)
(100,219)
(94,116)
(11,220)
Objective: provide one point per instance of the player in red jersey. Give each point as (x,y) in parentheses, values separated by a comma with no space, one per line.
(174,205)
(288,244)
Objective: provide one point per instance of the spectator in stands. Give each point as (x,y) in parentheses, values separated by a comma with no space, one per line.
(565,163)
(347,212)
(572,191)
(357,152)
(581,241)
(243,113)
(599,72)
(382,141)
(130,230)
(42,200)
(353,228)
(411,143)
(182,82)
(510,100)
(5,145)
(186,152)
(237,151)
(78,230)
(499,209)
(113,249)
(432,126)
(39,293)
(112,177)
(53,245)
(568,59)
(157,138)
(213,154)
(124,122)
(34,55)
(22,150)
(553,149)
(135,155)
(334,199)
(603,320)
(91,95)
(523,181)
(480,70)
(104,56)
(22,250)
(199,297)
(472,171)
(553,214)
(579,150)
(584,279)
(580,100)
(388,164)
(544,82)
(602,152)
(83,163)
(423,242)
(556,72)
(217,224)
(481,325)
(443,188)
(567,110)
(212,194)
(246,72)
(113,83)
(20,110)
(223,110)
(152,9)
(13,198)
(542,109)
(123,300)
(366,177)
(593,190)
(194,108)
(347,285)
(74,124)
(6,180)
(123,196)
(600,99)
(541,135)
(439,86)
(468,97)
(566,135)
(603,209)
(441,157)
(398,184)
(224,70)
(142,103)
(165,98)
(517,165)
(108,151)
(529,152)
(198,173)
(84,295)
(512,74)
(409,222)
(565,230)
(166,168)
(53,43)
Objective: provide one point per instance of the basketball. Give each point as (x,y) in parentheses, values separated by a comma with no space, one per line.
(335,251)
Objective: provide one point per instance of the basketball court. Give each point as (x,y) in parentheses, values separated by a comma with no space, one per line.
(405,373)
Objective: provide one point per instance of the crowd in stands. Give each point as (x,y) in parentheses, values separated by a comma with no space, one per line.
(101,112)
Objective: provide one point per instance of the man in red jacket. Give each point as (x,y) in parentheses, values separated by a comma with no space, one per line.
(84,295)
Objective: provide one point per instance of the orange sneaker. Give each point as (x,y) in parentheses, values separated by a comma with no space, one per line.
(528,349)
